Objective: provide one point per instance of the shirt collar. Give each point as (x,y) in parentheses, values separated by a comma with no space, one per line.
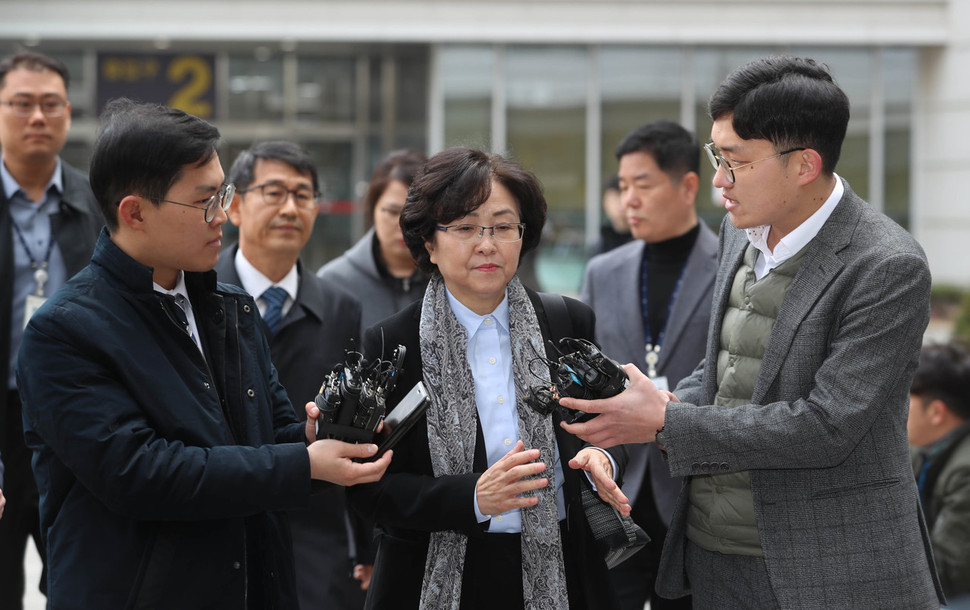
(179,289)
(255,283)
(11,186)
(790,244)
(472,321)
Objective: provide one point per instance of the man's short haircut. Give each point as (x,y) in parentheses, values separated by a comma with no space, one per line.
(243,171)
(35,62)
(454,183)
(944,373)
(401,165)
(789,101)
(612,184)
(673,148)
(141,150)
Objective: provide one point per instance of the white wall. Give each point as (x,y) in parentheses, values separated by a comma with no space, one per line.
(941,155)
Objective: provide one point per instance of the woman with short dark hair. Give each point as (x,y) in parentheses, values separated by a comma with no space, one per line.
(481,506)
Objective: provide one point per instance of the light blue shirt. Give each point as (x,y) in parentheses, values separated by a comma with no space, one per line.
(490,359)
(33,219)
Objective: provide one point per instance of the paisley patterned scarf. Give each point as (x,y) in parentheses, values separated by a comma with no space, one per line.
(452,421)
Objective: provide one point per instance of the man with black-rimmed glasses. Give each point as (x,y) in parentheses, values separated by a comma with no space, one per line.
(310,321)
(164,446)
(49,222)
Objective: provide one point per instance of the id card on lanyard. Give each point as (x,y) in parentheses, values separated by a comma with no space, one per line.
(35,300)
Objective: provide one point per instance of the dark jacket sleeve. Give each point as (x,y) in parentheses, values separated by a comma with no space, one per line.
(96,425)
(409,496)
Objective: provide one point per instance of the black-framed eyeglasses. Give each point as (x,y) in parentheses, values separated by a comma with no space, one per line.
(222,199)
(718,161)
(506,231)
(24,107)
(275,195)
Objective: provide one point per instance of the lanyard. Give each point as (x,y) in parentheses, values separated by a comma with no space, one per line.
(40,269)
(651,349)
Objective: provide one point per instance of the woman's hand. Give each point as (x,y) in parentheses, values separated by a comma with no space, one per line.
(597,464)
(499,488)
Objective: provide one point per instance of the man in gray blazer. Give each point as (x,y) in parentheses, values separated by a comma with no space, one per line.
(791,435)
(652,299)
(308,327)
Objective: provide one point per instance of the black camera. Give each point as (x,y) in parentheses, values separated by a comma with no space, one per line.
(352,398)
(582,371)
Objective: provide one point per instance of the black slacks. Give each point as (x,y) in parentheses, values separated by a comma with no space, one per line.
(20,517)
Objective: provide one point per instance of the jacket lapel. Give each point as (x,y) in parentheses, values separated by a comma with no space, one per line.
(820,266)
(691,294)
(627,301)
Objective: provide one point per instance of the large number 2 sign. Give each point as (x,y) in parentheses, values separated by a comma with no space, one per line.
(180,81)
(196,74)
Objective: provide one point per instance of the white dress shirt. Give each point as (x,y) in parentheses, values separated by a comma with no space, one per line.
(255,283)
(792,243)
(182,298)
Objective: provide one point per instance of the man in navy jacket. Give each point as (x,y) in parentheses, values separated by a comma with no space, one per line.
(165,448)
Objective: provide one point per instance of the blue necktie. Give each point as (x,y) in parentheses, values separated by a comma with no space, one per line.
(274,297)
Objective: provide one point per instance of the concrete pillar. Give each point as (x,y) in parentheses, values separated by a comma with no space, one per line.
(941,152)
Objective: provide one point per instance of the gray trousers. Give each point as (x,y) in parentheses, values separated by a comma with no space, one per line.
(728,582)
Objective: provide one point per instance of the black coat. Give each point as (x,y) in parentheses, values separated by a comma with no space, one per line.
(322,323)
(162,474)
(409,502)
(75,229)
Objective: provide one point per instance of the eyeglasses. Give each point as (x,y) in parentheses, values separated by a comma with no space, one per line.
(506,231)
(275,195)
(222,199)
(50,107)
(713,153)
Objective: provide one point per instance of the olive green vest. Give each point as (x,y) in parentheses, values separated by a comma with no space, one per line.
(721,514)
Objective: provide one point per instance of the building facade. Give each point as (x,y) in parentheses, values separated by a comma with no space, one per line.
(554,83)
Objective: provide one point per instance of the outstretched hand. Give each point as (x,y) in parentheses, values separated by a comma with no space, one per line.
(598,465)
(632,416)
(334,461)
(500,487)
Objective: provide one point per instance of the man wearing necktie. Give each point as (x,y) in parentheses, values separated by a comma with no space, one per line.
(166,454)
(310,322)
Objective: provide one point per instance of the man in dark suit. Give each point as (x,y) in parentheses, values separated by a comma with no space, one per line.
(652,300)
(791,435)
(309,325)
(49,223)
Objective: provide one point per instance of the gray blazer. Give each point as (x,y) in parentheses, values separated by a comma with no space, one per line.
(612,288)
(825,438)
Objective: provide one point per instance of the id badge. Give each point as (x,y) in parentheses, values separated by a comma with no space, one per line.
(661,382)
(33,304)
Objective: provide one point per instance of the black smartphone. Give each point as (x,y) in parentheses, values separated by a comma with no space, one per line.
(402,417)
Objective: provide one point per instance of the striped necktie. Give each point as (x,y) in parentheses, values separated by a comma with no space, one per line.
(274,297)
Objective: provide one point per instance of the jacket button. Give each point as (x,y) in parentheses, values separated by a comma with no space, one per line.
(246,308)
(705,465)
(724,466)
(695,466)
(250,392)
(236,565)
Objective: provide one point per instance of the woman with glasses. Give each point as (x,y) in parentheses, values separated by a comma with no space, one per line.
(481,505)
(379,267)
